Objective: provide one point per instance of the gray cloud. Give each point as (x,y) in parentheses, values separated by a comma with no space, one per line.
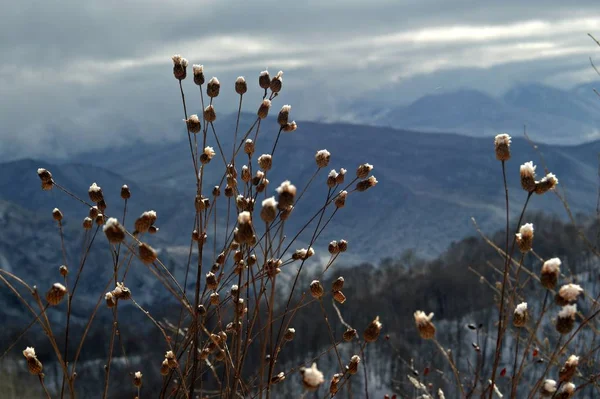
(79,74)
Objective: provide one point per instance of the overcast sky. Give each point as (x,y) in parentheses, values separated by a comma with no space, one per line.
(75,74)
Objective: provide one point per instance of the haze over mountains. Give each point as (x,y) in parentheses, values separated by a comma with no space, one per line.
(552,116)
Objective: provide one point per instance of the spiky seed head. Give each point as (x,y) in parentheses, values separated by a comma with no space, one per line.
(372,331)
(95,192)
(524,237)
(312,377)
(547,183)
(520,315)
(193,124)
(343,245)
(179,67)
(277,82)
(264,80)
(363,170)
(527,172)
(352,367)
(56,294)
(366,184)
(265,162)
(263,109)
(340,200)
(550,273)
(322,158)
(502,147)
(566,319)
(568,294)
(567,371)
(44,175)
(114,231)
(290,127)
(210,115)
(249,147)
(548,388)
(147,253)
(424,324)
(63,270)
(289,335)
(283,116)
(349,334)
(207,155)
(57,214)
(213,87)
(87,223)
(137,379)
(198,71)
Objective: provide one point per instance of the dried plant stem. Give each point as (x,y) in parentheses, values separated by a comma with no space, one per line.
(41,378)
(331,336)
(452,366)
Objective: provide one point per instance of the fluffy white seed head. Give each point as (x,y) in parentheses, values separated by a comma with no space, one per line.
(244,217)
(29,352)
(570,292)
(551,266)
(521,308)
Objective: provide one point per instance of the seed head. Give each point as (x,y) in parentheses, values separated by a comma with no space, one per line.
(44,175)
(95,192)
(268,212)
(548,388)
(264,80)
(179,67)
(338,284)
(213,87)
(567,371)
(366,184)
(340,200)
(566,319)
(277,82)
(283,116)
(340,176)
(322,158)
(207,155)
(550,273)
(29,353)
(547,183)
(342,245)
(249,147)
(57,214)
(121,292)
(87,223)
(137,379)
(289,335)
(333,248)
(352,367)
(265,162)
(312,378)
(278,378)
(333,386)
(287,194)
(290,127)
(373,330)
(100,219)
(520,315)
(240,85)
(63,270)
(263,110)
(349,334)
(527,172)
(56,294)
(424,324)
(198,71)
(316,289)
(146,219)
(363,170)
(125,192)
(147,253)
(502,145)
(164,367)
(568,294)
(245,230)
(110,299)
(525,237)
(566,391)
(33,364)
(193,124)
(339,296)
(114,231)
(214,298)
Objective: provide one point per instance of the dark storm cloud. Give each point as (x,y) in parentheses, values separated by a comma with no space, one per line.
(91,71)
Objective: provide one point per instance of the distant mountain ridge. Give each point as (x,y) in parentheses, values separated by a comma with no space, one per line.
(551,115)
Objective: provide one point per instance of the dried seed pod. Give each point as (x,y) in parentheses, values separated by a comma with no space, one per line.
(146,253)
(524,238)
(216,191)
(94,212)
(272,267)
(115,233)
(547,183)
(211,281)
(34,366)
(340,200)
(283,116)
(121,292)
(550,273)
(352,367)
(287,195)
(316,289)
(56,294)
(137,379)
(179,67)
(312,378)
(164,367)
(214,298)
(333,248)
(568,294)
(87,223)
(153,229)
(125,192)
(213,87)
(249,147)
(264,80)
(44,175)
(424,324)
(100,219)
(566,319)
(363,170)
(548,388)
(567,371)
(263,109)
(338,284)
(209,114)
(110,299)
(278,378)
(343,245)
(322,158)
(101,205)
(340,177)
(240,86)
(198,71)
(527,173)
(520,315)
(339,296)
(277,82)
(366,184)
(349,334)
(265,162)
(57,214)
(95,193)
(372,331)
(193,124)
(502,146)
(63,270)
(289,335)
(333,386)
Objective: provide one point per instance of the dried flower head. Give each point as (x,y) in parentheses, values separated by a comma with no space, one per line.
(568,294)
(33,364)
(338,284)
(114,231)
(121,292)
(548,388)
(146,219)
(207,155)
(209,114)
(87,223)
(290,127)
(342,245)
(147,253)
(278,378)
(193,124)
(527,172)
(312,378)
(566,319)
(566,391)
(63,270)
(567,371)
(424,324)
(137,379)
(502,146)
(333,248)
(289,335)
(125,192)
(547,183)
(333,386)
(265,162)
(249,147)
(264,80)
(110,299)
(363,170)
(322,158)
(268,213)
(303,254)
(213,87)
(56,294)
(245,230)
(339,296)
(366,184)
(284,114)
(349,334)
(179,67)
(198,71)
(57,214)
(316,289)
(520,315)
(263,109)
(372,331)
(277,82)
(331,178)
(550,273)
(340,200)
(95,192)
(525,237)
(241,87)
(164,367)
(352,367)
(44,175)
(287,194)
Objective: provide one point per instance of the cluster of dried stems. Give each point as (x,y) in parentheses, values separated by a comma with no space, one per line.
(237,309)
